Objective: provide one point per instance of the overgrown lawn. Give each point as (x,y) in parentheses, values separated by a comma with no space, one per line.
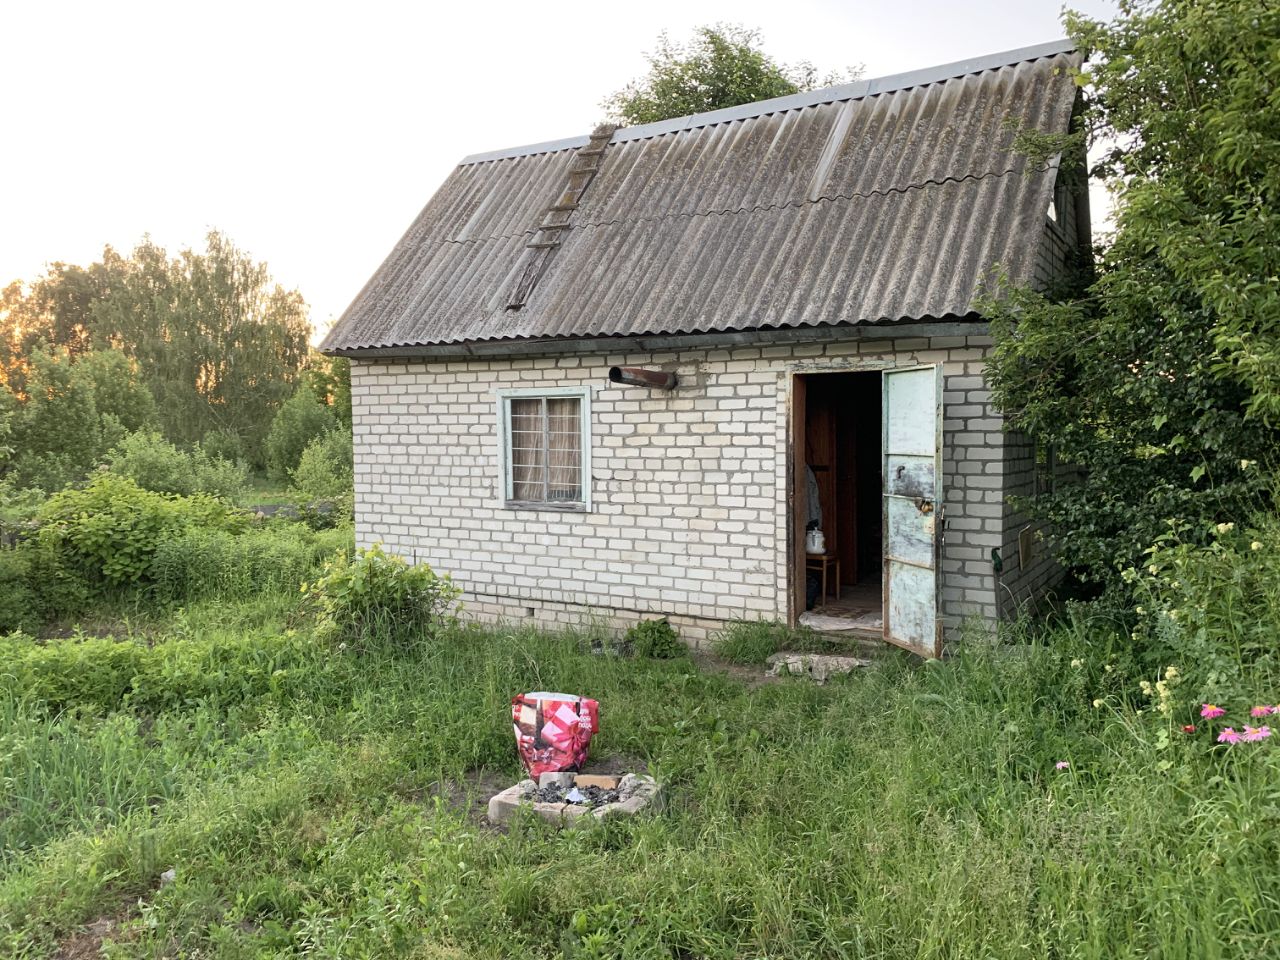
(312,800)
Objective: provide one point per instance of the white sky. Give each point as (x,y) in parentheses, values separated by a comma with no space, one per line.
(312,133)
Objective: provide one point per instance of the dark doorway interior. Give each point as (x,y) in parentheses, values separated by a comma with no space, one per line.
(842,424)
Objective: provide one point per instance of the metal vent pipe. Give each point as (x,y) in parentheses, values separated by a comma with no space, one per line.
(640,377)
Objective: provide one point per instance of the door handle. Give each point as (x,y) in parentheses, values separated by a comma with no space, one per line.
(924,506)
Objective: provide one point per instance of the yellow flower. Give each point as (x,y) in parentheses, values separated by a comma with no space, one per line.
(1246,464)
(1140,609)
(1171,673)
(1077,664)
(1226,527)
(1145,687)
(1255,545)
(1097,704)
(1108,668)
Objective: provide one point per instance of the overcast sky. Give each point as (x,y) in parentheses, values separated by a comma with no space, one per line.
(312,133)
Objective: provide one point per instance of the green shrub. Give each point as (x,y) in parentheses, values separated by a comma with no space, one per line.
(1212,609)
(224,445)
(102,674)
(19,507)
(19,602)
(372,597)
(110,530)
(655,639)
(207,564)
(302,419)
(154,463)
(325,470)
(62,590)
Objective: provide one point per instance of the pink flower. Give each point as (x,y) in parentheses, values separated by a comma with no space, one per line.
(1229,736)
(1262,711)
(1254,734)
(1189,728)
(1211,712)
(1062,765)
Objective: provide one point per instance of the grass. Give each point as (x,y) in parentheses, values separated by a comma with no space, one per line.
(263,491)
(308,799)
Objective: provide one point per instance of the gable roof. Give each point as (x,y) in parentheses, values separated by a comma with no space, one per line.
(881,200)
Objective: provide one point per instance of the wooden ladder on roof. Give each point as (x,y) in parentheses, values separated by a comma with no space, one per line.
(556,220)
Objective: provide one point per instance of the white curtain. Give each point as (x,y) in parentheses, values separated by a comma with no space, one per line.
(546,449)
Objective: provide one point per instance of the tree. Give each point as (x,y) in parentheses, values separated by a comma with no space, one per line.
(330,379)
(1161,380)
(218,343)
(74,412)
(302,419)
(722,66)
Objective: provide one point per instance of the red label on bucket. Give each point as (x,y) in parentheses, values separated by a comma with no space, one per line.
(553,730)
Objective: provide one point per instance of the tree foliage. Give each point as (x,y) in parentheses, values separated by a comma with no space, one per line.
(302,419)
(72,413)
(155,464)
(722,66)
(1161,381)
(218,344)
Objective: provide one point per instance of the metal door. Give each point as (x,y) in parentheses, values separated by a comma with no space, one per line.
(912,439)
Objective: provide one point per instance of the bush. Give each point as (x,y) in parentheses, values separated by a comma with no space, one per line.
(215,564)
(157,465)
(111,529)
(302,419)
(372,597)
(1213,609)
(101,674)
(19,602)
(223,445)
(656,639)
(325,469)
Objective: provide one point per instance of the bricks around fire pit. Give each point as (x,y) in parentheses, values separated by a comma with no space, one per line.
(576,797)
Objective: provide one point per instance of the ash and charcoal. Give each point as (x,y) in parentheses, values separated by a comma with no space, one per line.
(577,798)
(589,796)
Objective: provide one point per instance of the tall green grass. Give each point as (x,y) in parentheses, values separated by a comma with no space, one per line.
(910,810)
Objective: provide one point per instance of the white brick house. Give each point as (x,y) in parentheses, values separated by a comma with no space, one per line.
(806,268)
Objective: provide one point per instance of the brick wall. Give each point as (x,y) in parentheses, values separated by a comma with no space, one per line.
(1024,579)
(689,516)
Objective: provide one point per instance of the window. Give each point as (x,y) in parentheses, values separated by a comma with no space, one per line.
(546,448)
(1046,467)
(1057,212)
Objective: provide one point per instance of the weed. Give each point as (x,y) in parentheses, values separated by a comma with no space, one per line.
(654,638)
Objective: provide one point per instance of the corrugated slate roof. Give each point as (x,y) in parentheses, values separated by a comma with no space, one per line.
(874,201)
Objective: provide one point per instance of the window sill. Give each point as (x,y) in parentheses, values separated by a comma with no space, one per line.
(545,507)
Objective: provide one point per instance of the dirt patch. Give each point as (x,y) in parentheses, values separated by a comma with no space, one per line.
(470,795)
(748,674)
(86,943)
(614,766)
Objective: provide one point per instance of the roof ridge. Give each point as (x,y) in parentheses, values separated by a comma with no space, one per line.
(856,90)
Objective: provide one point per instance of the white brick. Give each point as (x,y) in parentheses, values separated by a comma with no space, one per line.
(689,488)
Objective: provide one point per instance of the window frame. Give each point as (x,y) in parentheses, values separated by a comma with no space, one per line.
(1045,471)
(505,477)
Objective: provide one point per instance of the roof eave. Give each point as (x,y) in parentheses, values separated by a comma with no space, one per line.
(971,325)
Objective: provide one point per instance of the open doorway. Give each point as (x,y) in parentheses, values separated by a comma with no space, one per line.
(838,487)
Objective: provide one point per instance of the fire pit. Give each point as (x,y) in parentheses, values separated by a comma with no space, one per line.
(576,797)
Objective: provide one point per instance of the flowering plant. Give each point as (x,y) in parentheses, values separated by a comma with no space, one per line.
(1230,735)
